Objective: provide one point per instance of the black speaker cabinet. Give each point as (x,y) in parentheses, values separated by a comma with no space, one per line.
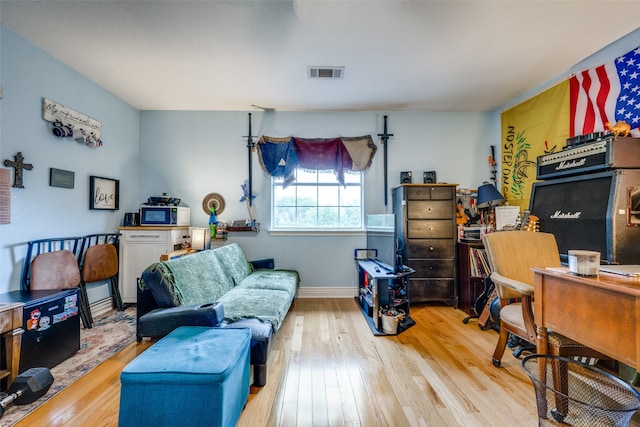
(406,177)
(592,211)
(429,177)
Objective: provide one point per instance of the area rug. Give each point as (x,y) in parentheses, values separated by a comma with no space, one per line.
(111,332)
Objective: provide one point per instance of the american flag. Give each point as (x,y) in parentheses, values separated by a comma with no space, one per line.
(607,93)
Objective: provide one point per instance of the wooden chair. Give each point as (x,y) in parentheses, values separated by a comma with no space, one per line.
(36,248)
(99,262)
(512,254)
(54,270)
(53,264)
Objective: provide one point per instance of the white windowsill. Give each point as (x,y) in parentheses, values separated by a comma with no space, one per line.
(317,232)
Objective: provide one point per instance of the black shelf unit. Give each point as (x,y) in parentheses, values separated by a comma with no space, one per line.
(380,286)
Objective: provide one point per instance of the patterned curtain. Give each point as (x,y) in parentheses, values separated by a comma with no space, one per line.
(279,157)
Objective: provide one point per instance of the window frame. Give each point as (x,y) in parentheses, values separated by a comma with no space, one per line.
(277,182)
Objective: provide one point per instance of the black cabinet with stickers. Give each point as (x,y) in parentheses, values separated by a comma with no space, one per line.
(51,326)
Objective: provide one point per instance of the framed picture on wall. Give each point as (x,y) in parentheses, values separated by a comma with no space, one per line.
(61,178)
(104,193)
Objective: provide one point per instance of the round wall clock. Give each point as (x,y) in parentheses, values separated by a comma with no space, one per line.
(213,200)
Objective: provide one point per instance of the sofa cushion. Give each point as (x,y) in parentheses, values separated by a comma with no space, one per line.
(279,280)
(265,304)
(233,261)
(199,278)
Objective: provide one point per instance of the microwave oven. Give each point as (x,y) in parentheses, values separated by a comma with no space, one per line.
(165,215)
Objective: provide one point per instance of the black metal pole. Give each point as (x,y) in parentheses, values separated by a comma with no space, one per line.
(385,139)
(493,164)
(250,146)
(386,143)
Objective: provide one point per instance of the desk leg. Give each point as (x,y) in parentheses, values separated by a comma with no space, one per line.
(543,344)
(542,348)
(12,341)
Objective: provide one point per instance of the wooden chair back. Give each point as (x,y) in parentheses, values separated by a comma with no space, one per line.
(54,270)
(36,248)
(100,263)
(513,253)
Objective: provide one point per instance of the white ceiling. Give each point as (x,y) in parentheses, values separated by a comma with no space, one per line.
(423,55)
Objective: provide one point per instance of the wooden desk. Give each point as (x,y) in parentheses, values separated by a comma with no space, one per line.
(602,313)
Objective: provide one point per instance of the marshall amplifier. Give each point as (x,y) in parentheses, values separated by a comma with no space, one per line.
(608,153)
(596,211)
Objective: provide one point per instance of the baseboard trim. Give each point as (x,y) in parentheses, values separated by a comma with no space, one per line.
(105,305)
(326,292)
(101,307)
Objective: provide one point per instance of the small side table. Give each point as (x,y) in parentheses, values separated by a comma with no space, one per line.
(380,286)
(11,341)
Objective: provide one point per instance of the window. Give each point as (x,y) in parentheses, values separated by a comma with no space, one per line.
(316,201)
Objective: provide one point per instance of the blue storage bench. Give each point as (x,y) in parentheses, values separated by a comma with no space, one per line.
(196,375)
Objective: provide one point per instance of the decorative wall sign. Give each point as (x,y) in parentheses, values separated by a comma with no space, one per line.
(61,178)
(68,123)
(104,193)
(5,196)
(18,164)
(213,200)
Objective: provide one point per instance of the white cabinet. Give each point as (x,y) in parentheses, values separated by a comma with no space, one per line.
(141,247)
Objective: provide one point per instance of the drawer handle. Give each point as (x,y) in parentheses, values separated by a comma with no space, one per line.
(429,209)
(430,228)
(431,248)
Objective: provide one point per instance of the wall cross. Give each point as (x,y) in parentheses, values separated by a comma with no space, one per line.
(18,165)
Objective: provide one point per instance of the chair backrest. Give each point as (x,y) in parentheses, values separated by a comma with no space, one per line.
(54,270)
(100,263)
(58,270)
(36,248)
(513,253)
(96,239)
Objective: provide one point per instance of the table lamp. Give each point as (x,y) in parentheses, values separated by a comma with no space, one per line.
(488,197)
(200,238)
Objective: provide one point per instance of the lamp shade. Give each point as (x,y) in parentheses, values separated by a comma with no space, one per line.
(488,195)
(200,238)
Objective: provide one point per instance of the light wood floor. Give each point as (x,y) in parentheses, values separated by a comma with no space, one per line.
(328,369)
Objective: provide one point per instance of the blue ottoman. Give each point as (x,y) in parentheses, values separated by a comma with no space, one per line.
(196,375)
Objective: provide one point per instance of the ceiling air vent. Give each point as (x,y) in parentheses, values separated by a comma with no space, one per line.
(325,72)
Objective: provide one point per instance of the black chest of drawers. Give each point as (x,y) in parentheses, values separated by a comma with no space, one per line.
(427,232)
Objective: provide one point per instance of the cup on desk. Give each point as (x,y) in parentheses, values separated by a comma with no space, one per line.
(584,263)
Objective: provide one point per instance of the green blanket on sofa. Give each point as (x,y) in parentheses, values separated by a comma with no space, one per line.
(198,278)
(224,275)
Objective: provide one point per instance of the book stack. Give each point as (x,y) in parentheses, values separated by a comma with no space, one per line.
(479,263)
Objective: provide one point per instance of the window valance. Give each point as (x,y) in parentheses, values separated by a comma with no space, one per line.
(279,157)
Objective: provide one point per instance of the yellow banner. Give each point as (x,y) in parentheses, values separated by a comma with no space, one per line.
(535,127)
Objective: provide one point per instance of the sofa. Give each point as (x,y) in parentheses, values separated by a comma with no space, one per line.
(217,288)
